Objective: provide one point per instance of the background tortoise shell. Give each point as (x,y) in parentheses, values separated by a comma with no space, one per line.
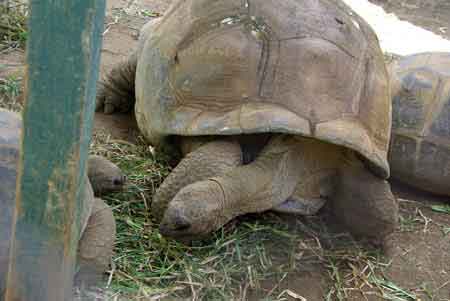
(420,146)
(10,126)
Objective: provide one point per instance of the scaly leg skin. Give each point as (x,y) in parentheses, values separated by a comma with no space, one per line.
(203,207)
(321,162)
(203,162)
(116,93)
(96,245)
(364,202)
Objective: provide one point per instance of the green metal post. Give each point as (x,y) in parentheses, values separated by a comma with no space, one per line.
(63,59)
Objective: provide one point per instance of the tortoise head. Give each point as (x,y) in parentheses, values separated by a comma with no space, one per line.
(105,176)
(195,212)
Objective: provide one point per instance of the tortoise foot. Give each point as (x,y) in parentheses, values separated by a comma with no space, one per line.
(365,204)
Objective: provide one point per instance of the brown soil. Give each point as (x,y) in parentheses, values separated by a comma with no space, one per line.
(419,251)
(417,256)
(12,64)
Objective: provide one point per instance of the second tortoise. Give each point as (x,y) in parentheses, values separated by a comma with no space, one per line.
(419,154)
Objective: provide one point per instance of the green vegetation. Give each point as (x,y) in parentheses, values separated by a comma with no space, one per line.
(441,208)
(10,92)
(249,259)
(13,24)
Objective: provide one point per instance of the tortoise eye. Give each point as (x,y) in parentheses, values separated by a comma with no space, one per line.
(339,21)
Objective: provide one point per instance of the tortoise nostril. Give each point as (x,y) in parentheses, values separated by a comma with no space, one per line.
(180,224)
(118,182)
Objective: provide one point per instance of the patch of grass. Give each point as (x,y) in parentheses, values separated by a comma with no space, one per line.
(13,24)
(391,291)
(249,259)
(10,90)
(146,264)
(148,13)
(409,223)
(361,274)
(441,208)
(353,273)
(413,220)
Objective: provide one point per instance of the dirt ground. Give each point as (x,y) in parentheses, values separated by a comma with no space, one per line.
(418,253)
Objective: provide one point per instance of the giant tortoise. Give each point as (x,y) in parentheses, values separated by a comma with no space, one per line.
(268,101)
(420,146)
(98,225)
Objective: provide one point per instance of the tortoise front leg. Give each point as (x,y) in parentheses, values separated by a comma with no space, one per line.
(117,92)
(96,245)
(202,207)
(364,203)
(203,160)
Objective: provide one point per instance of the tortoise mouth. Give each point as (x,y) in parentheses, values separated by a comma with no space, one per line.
(180,233)
(169,231)
(175,226)
(119,182)
(181,229)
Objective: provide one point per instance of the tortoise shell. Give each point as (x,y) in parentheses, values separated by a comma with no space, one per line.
(312,68)
(420,148)
(10,125)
